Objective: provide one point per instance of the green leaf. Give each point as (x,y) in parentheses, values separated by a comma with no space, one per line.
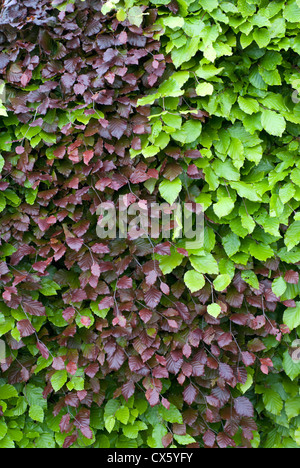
(135,16)
(210,53)
(168,263)
(122,414)
(250,277)
(46,440)
(214,310)
(162,140)
(36,413)
(108,6)
(205,89)
(262,37)
(15,434)
(111,407)
(34,396)
(3,429)
(7,443)
(2,162)
(273,123)
(256,441)
(19,409)
(3,111)
(209,5)
(159,431)
(287,192)
(292,235)
(271,60)
(261,251)
(141,425)
(185,53)
(172,415)
(174,121)
(59,379)
(295,176)
(291,368)
(248,105)
(236,152)
(292,12)
(110,423)
(150,151)
(246,191)
(43,363)
(102,442)
(77,383)
(248,384)
(223,207)
(13,197)
(254,154)
(292,407)
(184,439)
(297,436)
(49,287)
(206,264)
(222,282)
(291,317)
(5,141)
(279,286)
(173,22)
(30,196)
(99,312)
(7,391)
(121,15)
(272,401)
(170,190)
(189,132)
(150,99)
(194,280)
(131,431)
(123,442)
(272,78)
(226,170)
(2,202)
(231,244)
(172,86)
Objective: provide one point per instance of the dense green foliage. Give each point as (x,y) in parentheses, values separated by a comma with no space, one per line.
(239,62)
(142,342)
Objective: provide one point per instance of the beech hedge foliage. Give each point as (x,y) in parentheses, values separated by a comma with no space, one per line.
(142,342)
